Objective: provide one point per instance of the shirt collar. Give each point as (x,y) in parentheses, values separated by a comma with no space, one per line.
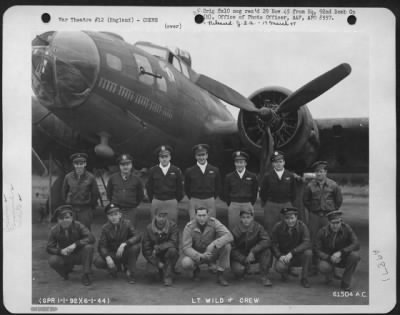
(241,174)
(166,167)
(279,173)
(202,167)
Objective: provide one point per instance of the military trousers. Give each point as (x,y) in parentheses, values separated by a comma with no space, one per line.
(84,214)
(317,220)
(302,259)
(263,258)
(220,257)
(129,214)
(64,264)
(128,259)
(168,257)
(349,262)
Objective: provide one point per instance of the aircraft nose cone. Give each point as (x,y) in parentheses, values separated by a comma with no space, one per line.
(64,68)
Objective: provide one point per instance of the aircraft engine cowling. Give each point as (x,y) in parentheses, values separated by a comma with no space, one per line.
(294,133)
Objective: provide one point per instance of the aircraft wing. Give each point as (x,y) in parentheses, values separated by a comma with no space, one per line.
(344,143)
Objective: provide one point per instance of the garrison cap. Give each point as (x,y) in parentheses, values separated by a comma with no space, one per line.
(240,155)
(289,210)
(277,155)
(332,215)
(319,164)
(246,211)
(61,210)
(163,149)
(124,158)
(198,148)
(76,157)
(160,210)
(111,208)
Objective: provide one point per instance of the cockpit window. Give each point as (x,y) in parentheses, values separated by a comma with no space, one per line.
(176,64)
(144,64)
(113,62)
(43,81)
(155,51)
(185,70)
(64,67)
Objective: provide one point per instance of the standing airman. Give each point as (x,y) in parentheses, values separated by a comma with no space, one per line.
(80,190)
(165,184)
(240,188)
(321,195)
(125,189)
(277,191)
(202,182)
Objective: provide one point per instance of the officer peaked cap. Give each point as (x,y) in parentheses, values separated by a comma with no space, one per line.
(163,149)
(332,215)
(200,148)
(289,210)
(79,157)
(277,155)
(240,155)
(111,208)
(124,158)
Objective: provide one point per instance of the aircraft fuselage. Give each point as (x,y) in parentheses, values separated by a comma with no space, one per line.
(101,84)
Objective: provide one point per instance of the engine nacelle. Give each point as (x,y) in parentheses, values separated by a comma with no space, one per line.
(294,133)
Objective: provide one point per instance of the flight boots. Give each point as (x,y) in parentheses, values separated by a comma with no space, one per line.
(221,279)
(167,278)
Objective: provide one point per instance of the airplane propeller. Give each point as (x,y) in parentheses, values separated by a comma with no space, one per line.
(224,92)
(293,102)
(314,88)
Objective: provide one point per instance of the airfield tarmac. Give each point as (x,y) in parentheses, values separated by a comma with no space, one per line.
(149,290)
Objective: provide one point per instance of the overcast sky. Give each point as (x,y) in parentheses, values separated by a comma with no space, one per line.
(249,61)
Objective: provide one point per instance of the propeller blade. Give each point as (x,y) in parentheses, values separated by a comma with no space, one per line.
(266,153)
(225,93)
(314,88)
